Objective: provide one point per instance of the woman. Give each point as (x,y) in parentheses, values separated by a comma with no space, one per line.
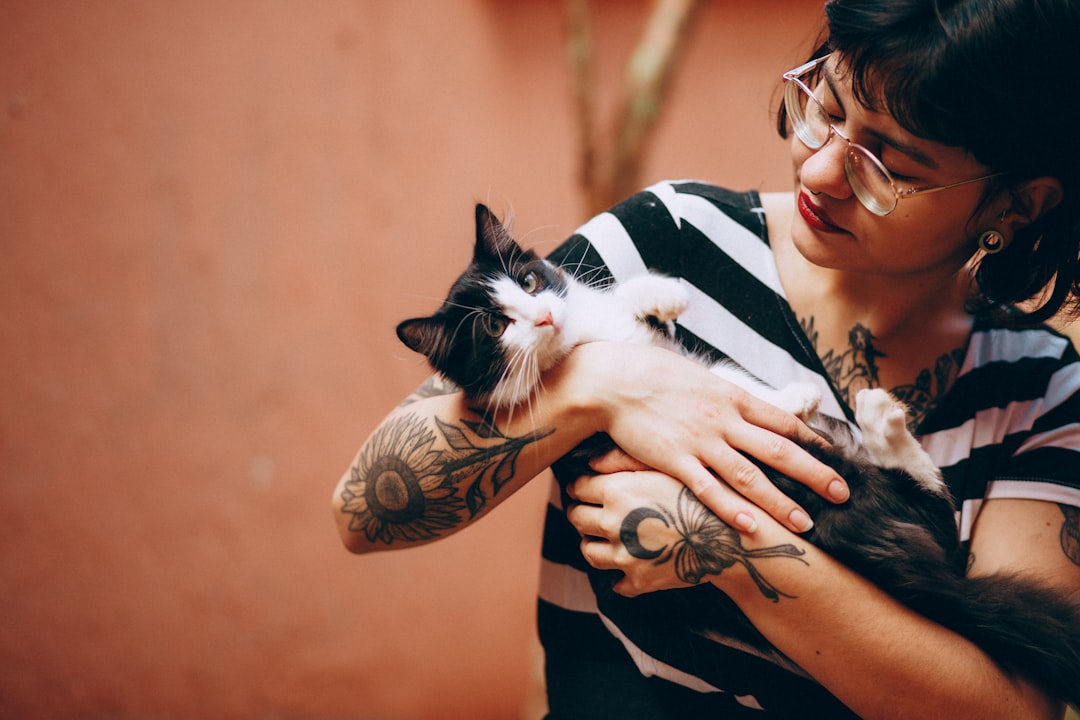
(934,222)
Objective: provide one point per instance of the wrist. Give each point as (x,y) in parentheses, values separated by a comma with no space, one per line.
(767,565)
(583,385)
(604,377)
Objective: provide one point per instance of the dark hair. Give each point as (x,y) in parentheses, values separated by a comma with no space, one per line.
(999,79)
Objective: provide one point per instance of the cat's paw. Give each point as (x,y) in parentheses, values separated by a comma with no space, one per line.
(655,296)
(881,417)
(886,438)
(800,398)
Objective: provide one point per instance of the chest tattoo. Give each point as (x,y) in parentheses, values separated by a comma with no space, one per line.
(855,368)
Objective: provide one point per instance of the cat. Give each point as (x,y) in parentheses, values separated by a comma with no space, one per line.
(512,315)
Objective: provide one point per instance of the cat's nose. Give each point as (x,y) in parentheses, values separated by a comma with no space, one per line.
(545,319)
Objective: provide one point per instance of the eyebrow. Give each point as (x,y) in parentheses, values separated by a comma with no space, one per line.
(907,149)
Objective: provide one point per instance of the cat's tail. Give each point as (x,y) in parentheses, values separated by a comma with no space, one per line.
(1021,624)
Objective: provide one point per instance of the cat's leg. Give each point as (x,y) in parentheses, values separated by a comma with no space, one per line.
(883,421)
(800,398)
(653,296)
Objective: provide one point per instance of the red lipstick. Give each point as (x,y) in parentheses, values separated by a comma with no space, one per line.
(815,216)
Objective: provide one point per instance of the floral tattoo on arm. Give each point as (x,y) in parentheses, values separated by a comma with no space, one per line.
(706,545)
(407,485)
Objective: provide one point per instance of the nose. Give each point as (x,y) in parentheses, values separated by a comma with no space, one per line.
(545,319)
(822,170)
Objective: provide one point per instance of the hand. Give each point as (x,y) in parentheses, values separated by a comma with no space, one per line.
(651,528)
(626,522)
(670,413)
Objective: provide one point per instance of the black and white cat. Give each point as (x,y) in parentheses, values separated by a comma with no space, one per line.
(512,315)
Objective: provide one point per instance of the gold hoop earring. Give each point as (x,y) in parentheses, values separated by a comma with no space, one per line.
(991,242)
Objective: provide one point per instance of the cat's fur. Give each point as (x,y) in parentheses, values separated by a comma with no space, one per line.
(512,315)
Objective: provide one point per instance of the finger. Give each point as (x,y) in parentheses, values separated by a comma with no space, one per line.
(730,507)
(779,440)
(598,553)
(625,588)
(791,458)
(769,416)
(584,489)
(751,482)
(616,460)
(588,521)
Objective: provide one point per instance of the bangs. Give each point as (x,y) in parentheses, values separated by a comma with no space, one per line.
(912,62)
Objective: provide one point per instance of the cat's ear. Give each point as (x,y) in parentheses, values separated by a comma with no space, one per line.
(493,241)
(424,335)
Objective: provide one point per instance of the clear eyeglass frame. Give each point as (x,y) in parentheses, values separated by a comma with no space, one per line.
(870,180)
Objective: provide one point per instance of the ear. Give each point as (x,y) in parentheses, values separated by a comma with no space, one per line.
(423,335)
(1031,200)
(492,239)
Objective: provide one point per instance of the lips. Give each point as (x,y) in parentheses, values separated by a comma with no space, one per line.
(815,216)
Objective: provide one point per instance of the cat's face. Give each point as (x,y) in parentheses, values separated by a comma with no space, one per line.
(501,325)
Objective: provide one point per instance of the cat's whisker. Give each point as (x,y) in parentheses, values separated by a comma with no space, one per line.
(588,278)
(521,374)
(473,329)
(474,315)
(593,278)
(426,297)
(472,308)
(536,397)
(525,236)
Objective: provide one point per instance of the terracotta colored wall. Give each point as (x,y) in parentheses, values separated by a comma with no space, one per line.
(211,216)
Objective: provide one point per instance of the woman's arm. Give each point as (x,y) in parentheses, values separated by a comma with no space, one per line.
(435,465)
(876,655)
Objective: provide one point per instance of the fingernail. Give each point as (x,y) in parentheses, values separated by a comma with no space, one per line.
(838,491)
(800,520)
(746,522)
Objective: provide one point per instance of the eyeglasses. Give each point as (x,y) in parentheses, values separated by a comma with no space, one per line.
(871,182)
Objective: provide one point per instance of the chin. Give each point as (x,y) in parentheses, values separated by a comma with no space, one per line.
(816,248)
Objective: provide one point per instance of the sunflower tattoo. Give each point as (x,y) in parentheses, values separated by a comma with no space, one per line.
(396,491)
(404,487)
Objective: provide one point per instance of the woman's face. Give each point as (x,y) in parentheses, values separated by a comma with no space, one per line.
(925,233)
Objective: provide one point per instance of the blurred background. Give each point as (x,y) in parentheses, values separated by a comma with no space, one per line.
(212,215)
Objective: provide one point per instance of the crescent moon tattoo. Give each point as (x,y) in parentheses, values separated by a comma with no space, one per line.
(628,533)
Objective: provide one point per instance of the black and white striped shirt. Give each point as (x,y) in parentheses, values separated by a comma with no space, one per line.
(1009,427)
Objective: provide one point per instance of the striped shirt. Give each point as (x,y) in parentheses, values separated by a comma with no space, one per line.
(1007,428)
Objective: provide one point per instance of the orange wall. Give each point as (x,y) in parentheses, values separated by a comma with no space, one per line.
(212,214)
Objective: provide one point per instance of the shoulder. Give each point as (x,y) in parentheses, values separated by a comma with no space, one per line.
(1007,367)
(661,228)
(678,200)
(993,341)
(1007,428)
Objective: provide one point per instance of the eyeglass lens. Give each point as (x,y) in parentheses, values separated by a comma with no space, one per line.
(864,172)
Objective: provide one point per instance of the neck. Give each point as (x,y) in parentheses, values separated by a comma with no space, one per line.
(875,330)
(891,307)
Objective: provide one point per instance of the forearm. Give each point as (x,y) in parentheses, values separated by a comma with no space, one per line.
(435,465)
(877,656)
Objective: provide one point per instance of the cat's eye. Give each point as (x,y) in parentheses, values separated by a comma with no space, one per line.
(494,325)
(530,283)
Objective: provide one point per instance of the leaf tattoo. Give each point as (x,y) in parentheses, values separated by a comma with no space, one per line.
(404,488)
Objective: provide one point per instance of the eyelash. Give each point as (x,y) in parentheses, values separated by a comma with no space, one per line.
(839,119)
